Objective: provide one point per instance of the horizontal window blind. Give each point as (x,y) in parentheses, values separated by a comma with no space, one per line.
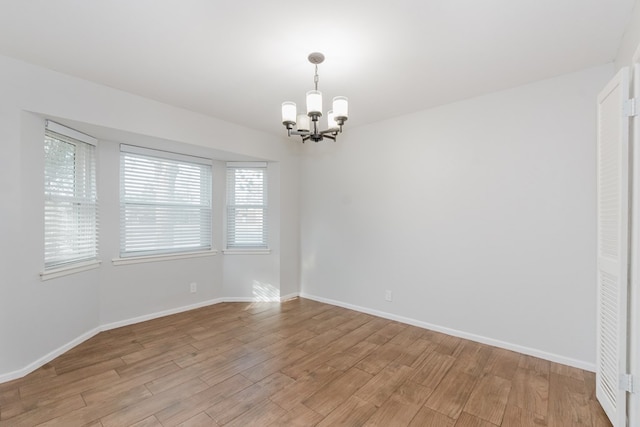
(70,206)
(246,205)
(165,202)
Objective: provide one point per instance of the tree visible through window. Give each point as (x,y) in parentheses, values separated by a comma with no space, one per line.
(165,202)
(70,207)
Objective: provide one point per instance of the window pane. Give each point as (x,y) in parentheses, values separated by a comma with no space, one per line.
(246,207)
(165,204)
(70,210)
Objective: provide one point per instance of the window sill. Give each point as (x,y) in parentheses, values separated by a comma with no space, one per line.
(69,269)
(246,251)
(164,257)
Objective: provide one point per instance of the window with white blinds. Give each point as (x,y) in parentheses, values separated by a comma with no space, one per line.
(247,205)
(70,197)
(165,202)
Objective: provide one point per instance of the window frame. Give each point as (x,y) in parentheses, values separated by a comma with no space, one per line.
(83,201)
(248,249)
(175,252)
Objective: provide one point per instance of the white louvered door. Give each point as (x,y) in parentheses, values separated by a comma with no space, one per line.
(613,257)
(633,402)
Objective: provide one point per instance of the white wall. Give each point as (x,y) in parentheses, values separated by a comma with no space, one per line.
(38,318)
(479,216)
(630,39)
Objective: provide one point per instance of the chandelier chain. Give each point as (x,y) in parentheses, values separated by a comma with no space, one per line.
(315,78)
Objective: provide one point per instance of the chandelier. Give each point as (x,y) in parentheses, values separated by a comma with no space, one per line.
(307,124)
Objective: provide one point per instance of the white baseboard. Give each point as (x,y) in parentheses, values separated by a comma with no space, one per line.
(289,296)
(478,338)
(460,334)
(251,299)
(9,376)
(48,357)
(19,373)
(158,314)
(242,299)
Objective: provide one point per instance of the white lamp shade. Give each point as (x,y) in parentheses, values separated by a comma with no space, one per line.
(331,121)
(314,102)
(303,122)
(341,107)
(288,112)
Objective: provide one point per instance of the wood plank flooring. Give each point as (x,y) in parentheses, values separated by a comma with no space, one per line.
(298,363)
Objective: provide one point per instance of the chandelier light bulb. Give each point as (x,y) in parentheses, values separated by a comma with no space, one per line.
(331,121)
(341,107)
(303,123)
(314,103)
(288,113)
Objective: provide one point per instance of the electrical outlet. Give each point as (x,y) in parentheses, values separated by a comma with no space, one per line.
(388,295)
(194,287)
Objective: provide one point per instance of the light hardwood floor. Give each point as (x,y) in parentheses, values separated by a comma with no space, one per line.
(299,363)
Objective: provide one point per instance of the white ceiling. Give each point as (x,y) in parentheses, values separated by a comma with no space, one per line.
(239,59)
